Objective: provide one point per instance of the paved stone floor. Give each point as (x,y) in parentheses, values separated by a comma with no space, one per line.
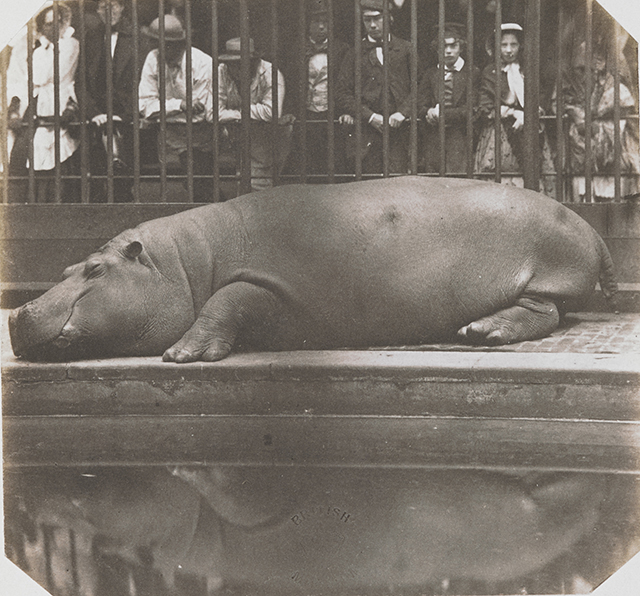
(586,333)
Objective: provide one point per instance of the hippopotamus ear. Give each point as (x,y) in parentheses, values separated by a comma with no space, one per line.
(132,250)
(69,271)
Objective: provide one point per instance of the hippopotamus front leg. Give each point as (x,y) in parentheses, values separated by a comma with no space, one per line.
(233,309)
(531,317)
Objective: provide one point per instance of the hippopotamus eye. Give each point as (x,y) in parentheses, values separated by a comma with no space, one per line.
(93,269)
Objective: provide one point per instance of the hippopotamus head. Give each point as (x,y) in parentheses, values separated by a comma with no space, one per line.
(114,303)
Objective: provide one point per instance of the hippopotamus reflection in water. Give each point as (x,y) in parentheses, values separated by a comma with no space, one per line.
(401,261)
(310,531)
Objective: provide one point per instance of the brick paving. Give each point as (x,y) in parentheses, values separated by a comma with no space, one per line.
(585,333)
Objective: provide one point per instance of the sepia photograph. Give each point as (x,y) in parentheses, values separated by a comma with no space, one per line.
(320,297)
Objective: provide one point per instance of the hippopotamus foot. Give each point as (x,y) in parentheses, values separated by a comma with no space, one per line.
(531,317)
(232,310)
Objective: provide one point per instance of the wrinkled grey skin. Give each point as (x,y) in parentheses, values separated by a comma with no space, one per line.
(399,261)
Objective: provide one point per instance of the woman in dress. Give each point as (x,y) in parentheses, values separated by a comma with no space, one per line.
(511,113)
(602,127)
(43,106)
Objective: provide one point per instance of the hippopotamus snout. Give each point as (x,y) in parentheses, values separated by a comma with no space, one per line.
(40,330)
(35,336)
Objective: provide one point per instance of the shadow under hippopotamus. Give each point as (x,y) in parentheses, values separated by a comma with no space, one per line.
(295,530)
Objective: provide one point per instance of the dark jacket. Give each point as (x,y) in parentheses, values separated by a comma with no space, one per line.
(487,92)
(428,94)
(126,73)
(399,57)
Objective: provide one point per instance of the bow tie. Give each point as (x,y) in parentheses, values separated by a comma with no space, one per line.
(367,44)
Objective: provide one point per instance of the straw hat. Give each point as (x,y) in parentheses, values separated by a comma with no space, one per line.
(233,48)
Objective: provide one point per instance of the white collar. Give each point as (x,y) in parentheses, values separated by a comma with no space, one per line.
(67,33)
(369,38)
(457,65)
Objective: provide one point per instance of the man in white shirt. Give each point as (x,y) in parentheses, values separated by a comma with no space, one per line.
(176,100)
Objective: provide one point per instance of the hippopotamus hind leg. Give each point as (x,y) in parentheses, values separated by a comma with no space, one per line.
(531,317)
(237,307)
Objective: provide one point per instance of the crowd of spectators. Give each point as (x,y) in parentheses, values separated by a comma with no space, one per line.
(112,86)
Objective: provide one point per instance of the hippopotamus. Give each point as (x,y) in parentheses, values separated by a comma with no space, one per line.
(398,261)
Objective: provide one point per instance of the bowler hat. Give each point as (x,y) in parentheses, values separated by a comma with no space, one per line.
(375,5)
(233,48)
(173,29)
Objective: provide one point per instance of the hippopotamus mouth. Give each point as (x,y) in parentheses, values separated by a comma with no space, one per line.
(38,338)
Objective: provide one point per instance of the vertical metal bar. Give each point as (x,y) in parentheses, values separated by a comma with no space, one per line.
(4,158)
(617,147)
(214,91)
(385,89)
(109,72)
(275,95)
(136,101)
(498,98)
(531,135)
(304,83)
(331,79)
(560,138)
(189,86)
(84,131)
(413,126)
(470,89)
(441,73)
(47,532)
(56,101)
(31,122)
(162,145)
(74,561)
(245,94)
(588,158)
(358,87)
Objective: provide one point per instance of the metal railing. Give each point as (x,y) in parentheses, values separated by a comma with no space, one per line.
(280,22)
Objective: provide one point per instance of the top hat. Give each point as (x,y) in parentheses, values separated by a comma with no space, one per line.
(173,29)
(316,7)
(233,49)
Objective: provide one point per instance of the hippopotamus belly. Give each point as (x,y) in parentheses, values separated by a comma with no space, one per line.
(390,262)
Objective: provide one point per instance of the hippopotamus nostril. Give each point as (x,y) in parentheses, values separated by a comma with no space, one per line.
(61,342)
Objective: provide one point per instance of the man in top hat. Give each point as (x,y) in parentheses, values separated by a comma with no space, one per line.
(175,67)
(264,155)
(116,41)
(456,81)
(371,59)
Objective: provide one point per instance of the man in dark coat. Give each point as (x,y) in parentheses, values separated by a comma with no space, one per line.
(122,88)
(456,81)
(399,91)
(319,79)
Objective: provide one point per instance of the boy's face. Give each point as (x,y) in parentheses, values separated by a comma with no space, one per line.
(509,48)
(373,23)
(318,28)
(452,51)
